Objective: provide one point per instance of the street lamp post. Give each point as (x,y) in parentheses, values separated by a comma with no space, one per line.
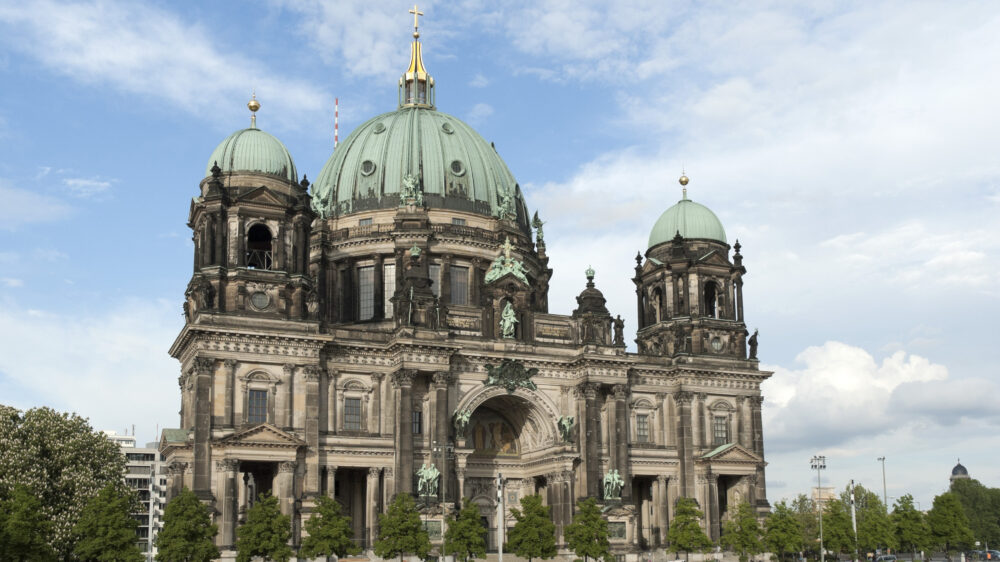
(818,463)
(884,497)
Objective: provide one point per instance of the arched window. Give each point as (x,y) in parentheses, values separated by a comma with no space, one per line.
(711,300)
(259,247)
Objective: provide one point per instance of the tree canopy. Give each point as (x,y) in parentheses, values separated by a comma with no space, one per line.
(401,531)
(266,532)
(188,532)
(686,534)
(465,537)
(909,526)
(838,532)
(587,535)
(948,524)
(875,531)
(805,512)
(982,508)
(62,462)
(534,534)
(105,531)
(23,527)
(330,532)
(741,533)
(782,531)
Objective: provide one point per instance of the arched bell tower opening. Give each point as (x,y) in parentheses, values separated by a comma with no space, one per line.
(259,254)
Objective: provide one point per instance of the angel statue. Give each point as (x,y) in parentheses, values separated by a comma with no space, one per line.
(507,321)
(428,480)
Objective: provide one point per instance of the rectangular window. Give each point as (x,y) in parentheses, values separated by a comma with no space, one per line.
(366,292)
(352,414)
(720,430)
(257,406)
(388,286)
(365,222)
(642,428)
(434,272)
(418,421)
(459,285)
(458,222)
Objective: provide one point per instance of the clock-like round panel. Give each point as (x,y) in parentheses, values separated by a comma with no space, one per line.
(260,300)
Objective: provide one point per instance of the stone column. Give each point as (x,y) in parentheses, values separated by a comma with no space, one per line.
(228,415)
(388,490)
(376,425)
(371,503)
(702,421)
(444,294)
(621,438)
(287,420)
(175,479)
(227,506)
(713,507)
(285,487)
(460,475)
(760,487)
(311,376)
(331,405)
(739,299)
(402,380)
(441,380)
(661,507)
(742,427)
(592,440)
(685,448)
(203,371)
(331,480)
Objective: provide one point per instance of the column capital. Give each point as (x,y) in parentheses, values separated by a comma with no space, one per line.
(683,397)
(587,390)
(289,368)
(287,466)
(441,379)
(331,468)
(377,377)
(756,401)
(231,364)
(374,471)
(227,465)
(176,468)
(661,478)
(403,378)
(312,373)
(203,365)
(387,472)
(620,391)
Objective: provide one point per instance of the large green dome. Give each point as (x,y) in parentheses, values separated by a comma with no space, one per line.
(456,167)
(253,150)
(691,220)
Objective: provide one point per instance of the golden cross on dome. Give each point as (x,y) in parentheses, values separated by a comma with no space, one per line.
(416,14)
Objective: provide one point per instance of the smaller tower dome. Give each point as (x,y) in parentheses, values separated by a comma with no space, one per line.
(959,472)
(690,219)
(253,150)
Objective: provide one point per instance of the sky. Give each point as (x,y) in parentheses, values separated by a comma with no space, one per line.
(851,148)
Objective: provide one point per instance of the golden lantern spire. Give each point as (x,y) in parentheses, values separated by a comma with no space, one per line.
(683,181)
(416,86)
(253,105)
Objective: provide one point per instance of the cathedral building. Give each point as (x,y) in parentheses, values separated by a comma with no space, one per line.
(386,330)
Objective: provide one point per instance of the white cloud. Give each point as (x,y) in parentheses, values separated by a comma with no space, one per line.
(479,113)
(145,50)
(21,207)
(479,81)
(11,282)
(86,188)
(111,366)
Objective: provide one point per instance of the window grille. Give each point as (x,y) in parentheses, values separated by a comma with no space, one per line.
(642,427)
(388,286)
(257,411)
(365,222)
(366,292)
(459,285)
(720,427)
(352,414)
(458,221)
(418,421)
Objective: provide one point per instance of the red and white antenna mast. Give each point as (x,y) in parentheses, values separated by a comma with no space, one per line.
(336,121)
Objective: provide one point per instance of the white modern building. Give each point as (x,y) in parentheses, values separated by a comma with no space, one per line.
(144,473)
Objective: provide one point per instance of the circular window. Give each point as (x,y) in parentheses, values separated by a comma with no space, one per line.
(446,127)
(379,128)
(457,168)
(367,168)
(716,344)
(260,300)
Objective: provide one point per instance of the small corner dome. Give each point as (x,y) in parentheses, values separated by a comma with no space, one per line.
(252,150)
(691,220)
(959,470)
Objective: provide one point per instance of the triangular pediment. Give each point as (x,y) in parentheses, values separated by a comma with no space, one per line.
(264,434)
(510,277)
(262,196)
(731,452)
(714,257)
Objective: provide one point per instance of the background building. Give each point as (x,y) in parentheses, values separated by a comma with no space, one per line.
(396,315)
(144,473)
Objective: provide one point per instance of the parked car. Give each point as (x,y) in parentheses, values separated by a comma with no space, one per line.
(886,558)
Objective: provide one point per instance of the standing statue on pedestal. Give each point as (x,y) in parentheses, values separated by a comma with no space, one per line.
(427,485)
(753,345)
(613,484)
(619,325)
(507,321)
(537,223)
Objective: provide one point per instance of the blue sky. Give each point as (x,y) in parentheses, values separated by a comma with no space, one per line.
(850,146)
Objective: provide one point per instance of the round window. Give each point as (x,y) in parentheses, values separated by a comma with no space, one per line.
(260,300)
(457,168)
(446,127)
(379,128)
(367,168)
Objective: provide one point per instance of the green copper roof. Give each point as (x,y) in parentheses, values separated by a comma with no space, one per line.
(253,150)
(691,219)
(456,167)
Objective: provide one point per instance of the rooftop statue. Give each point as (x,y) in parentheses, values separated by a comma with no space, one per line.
(508,320)
(462,421)
(506,210)
(510,375)
(411,191)
(537,223)
(566,425)
(505,264)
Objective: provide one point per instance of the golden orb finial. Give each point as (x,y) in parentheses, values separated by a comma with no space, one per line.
(683,179)
(253,105)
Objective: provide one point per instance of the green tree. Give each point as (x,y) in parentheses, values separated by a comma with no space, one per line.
(741,533)
(685,534)
(61,461)
(401,531)
(875,531)
(330,532)
(465,537)
(266,532)
(782,531)
(534,534)
(188,532)
(23,527)
(805,512)
(838,532)
(587,535)
(981,506)
(106,530)
(909,526)
(949,525)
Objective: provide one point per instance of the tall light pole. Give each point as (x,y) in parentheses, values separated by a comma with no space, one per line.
(885,498)
(818,463)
